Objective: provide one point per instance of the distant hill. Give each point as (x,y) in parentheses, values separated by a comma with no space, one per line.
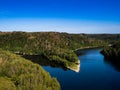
(20,41)
(111,38)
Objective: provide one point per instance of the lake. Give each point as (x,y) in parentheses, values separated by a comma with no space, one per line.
(95,73)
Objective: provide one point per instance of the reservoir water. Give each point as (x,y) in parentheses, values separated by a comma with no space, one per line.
(95,73)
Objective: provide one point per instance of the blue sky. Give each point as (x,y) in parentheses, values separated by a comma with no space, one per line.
(72,16)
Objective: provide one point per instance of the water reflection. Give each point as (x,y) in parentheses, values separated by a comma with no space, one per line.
(43,61)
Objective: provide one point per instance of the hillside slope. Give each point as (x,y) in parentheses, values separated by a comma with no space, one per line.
(112,52)
(17,73)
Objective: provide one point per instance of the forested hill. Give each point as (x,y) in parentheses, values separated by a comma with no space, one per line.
(57,47)
(39,41)
(112,52)
(17,73)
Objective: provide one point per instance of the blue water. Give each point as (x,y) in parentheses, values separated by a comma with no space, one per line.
(95,74)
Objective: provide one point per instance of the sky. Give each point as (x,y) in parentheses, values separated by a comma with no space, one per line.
(72,16)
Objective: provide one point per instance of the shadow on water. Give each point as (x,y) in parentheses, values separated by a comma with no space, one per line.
(115,63)
(85,51)
(43,61)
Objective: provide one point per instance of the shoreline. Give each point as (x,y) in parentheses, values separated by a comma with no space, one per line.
(84,48)
(76,68)
(78,51)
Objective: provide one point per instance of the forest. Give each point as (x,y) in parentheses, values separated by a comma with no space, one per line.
(17,73)
(112,52)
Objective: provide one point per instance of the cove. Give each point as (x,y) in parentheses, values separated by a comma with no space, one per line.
(95,73)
